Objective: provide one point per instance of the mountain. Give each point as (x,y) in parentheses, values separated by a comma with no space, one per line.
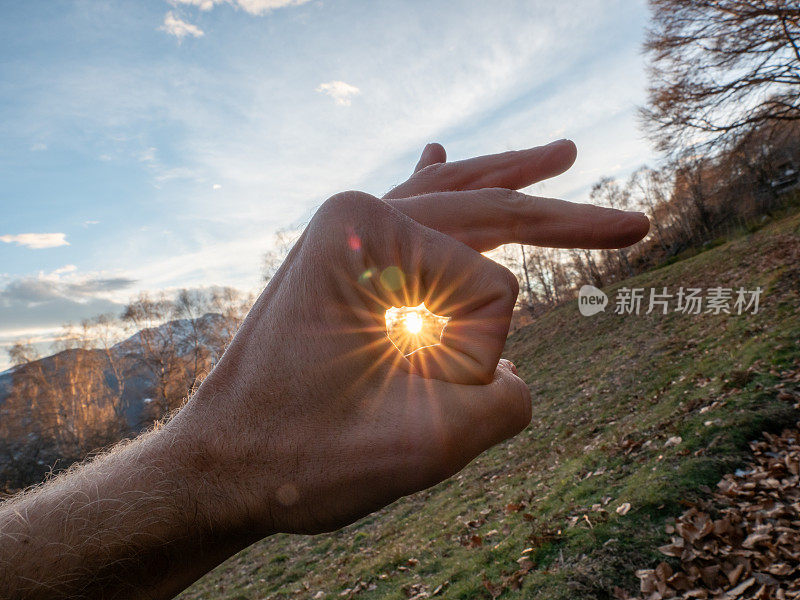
(80,395)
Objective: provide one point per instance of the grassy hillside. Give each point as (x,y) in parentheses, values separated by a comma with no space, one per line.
(645,410)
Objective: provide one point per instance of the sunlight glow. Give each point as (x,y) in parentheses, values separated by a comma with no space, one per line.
(413,322)
(413,327)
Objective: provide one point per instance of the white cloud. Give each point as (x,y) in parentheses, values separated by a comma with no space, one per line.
(216,187)
(38,147)
(259,7)
(340,91)
(201,4)
(254,7)
(65,269)
(180,29)
(36,240)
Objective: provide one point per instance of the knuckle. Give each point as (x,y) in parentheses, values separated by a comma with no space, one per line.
(440,174)
(518,171)
(483,373)
(341,215)
(512,203)
(506,195)
(433,171)
(344,207)
(507,284)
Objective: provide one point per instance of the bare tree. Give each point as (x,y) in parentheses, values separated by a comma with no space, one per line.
(102,333)
(609,192)
(692,183)
(232,305)
(550,268)
(528,288)
(283,240)
(652,188)
(62,400)
(22,412)
(587,267)
(22,352)
(156,346)
(718,67)
(191,306)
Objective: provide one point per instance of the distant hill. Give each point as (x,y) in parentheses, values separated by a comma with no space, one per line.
(138,382)
(58,408)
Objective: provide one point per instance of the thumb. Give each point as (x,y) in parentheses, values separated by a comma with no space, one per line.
(497,412)
(471,419)
(432,154)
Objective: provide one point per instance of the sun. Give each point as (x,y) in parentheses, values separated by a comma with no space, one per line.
(413,322)
(413,327)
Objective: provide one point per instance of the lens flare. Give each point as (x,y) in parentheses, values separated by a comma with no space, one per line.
(413,327)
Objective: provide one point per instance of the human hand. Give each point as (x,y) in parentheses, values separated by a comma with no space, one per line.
(313,419)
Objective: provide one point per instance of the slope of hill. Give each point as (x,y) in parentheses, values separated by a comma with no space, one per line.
(633,417)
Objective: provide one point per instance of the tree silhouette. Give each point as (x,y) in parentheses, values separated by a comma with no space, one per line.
(720,67)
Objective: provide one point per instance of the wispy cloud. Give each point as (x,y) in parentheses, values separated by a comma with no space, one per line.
(174,25)
(254,7)
(148,155)
(36,240)
(251,121)
(36,290)
(36,306)
(341,92)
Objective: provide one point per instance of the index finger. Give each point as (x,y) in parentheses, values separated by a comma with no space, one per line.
(484,219)
(513,170)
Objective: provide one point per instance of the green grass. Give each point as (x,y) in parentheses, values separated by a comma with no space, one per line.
(608,392)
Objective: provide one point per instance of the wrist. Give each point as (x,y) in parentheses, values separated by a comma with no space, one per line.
(209,472)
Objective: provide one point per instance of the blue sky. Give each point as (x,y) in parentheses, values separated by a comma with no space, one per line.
(159,144)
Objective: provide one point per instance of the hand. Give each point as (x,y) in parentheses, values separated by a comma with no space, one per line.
(313,419)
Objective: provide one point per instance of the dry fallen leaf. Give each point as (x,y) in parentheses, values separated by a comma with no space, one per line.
(752,549)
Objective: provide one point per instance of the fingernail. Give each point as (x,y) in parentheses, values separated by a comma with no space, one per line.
(510,365)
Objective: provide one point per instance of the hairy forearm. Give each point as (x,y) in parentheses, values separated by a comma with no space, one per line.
(130,524)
